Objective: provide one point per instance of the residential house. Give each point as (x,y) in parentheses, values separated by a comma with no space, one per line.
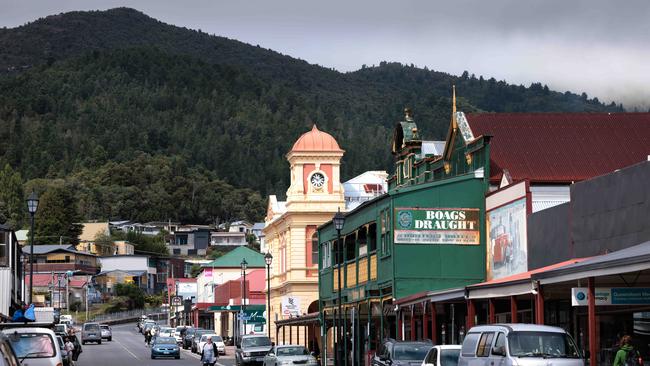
(365,187)
(10,271)
(56,284)
(258,231)
(61,259)
(123,247)
(189,263)
(106,280)
(239,226)
(228,238)
(90,231)
(134,264)
(189,241)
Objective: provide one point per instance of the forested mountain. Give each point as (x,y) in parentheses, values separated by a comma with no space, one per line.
(85,93)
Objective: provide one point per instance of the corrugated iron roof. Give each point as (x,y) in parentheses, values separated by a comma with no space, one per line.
(562,147)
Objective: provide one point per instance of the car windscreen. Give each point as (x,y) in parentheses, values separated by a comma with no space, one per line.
(165,340)
(59,328)
(104,327)
(91,327)
(415,352)
(291,351)
(256,342)
(542,344)
(217,339)
(33,345)
(449,357)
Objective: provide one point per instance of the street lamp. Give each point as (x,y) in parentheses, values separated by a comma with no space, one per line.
(339,221)
(268,258)
(244,265)
(32,206)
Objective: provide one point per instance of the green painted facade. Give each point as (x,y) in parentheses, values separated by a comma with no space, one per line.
(456,180)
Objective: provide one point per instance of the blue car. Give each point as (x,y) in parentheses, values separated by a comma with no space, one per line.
(165,347)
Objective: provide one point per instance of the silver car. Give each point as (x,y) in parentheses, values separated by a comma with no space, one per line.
(107,332)
(289,354)
(91,332)
(519,344)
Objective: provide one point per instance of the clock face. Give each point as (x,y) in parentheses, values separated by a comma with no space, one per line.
(318,180)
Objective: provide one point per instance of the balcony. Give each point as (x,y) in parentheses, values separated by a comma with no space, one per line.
(62,267)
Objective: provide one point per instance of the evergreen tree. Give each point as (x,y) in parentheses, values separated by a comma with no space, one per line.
(57,217)
(12,203)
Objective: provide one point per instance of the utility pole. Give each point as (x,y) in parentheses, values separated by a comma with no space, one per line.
(52,292)
(87,288)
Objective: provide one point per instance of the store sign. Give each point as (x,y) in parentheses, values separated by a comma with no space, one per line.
(612,296)
(459,226)
(207,272)
(290,306)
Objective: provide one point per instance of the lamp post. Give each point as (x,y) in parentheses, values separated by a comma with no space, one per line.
(268,258)
(244,265)
(32,206)
(339,221)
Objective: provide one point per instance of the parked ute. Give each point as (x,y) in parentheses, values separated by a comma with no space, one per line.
(519,345)
(38,346)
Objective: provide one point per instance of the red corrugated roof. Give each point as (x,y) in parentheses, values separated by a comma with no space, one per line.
(562,147)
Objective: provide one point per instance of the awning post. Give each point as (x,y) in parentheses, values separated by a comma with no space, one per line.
(513,309)
(591,301)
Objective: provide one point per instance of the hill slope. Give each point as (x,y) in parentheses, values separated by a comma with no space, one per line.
(87,88)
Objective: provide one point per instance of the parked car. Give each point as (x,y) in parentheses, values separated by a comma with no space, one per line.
(179,333)
(289,354)
(445,355)
(165,347)
(519,344)
(216,339)
(197,337)
(36,345)
(166,332)
(6,351)
(187,338)
(106,332)
(91,332)
(393,352)
(252,349)
(64,353)
(61,328)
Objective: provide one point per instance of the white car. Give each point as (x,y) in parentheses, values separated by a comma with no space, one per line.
(444,355)
(38,346)
(289,354)
(166,332)
(216,339)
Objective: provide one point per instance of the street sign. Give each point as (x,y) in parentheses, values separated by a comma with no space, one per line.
(177,301)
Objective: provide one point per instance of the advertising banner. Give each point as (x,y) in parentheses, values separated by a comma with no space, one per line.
(456,226)
(612,296)
(290,306)
(507,240)
(207,272)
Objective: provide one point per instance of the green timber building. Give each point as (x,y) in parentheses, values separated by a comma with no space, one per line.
(426,233)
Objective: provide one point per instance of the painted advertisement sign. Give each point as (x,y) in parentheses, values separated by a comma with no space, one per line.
(612,296)
(459,226)
(507,240)
(290,306)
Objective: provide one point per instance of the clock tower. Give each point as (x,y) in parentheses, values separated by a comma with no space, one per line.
(315,173)
(291,228)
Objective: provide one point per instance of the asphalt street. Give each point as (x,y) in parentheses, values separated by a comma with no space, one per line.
(128,348)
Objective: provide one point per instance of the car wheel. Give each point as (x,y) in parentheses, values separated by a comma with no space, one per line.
(99,342)
(178,357)
(110,339)
(83,343)
(153,357)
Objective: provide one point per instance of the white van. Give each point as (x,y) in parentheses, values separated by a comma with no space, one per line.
(519,344)
(37,345)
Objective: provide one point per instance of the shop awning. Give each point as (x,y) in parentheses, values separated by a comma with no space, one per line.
(517,284)
(306,319)
(433,296)
(632,259)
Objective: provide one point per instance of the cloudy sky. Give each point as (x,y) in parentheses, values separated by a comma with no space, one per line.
(601,47)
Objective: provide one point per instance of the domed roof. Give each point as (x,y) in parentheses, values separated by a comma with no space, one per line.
(316,140)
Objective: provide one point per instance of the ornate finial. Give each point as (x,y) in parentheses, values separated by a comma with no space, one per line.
(314,128)
(453,99)
(407,114)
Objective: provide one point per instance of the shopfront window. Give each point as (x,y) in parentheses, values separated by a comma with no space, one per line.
(4,249)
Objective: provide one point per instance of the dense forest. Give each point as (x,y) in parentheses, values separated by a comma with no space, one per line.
(148,121)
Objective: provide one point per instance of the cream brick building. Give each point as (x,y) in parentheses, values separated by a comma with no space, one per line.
(314,196)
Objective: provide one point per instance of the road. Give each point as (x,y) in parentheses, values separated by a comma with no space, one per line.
(128,348)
